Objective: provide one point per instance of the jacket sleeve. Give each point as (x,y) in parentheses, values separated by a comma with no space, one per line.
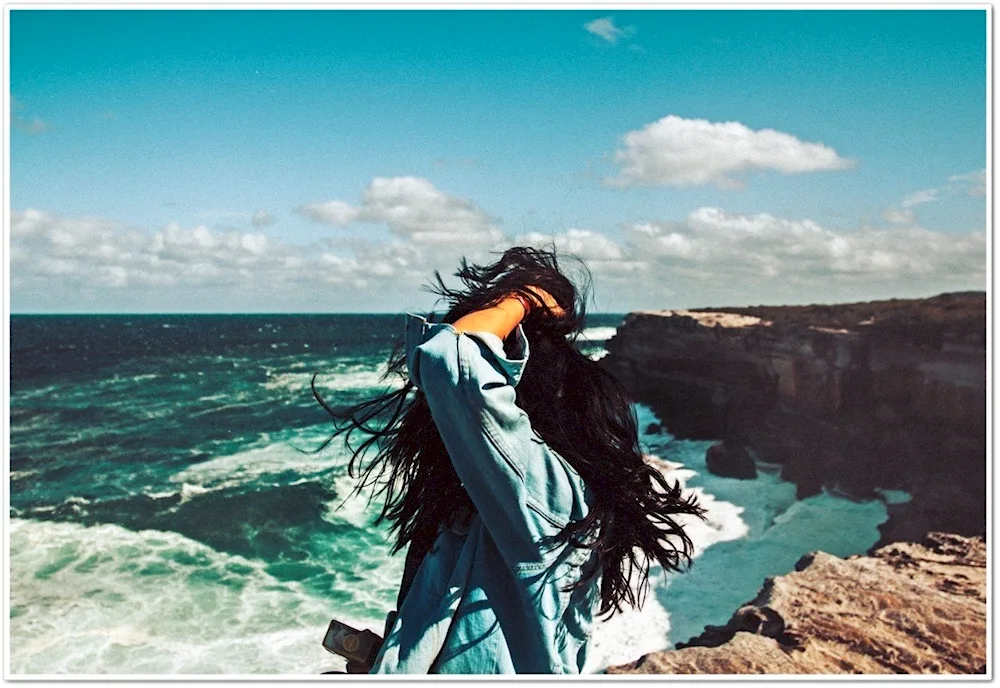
(522,489)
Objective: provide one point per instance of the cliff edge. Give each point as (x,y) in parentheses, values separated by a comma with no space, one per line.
(910,608)
(886,395)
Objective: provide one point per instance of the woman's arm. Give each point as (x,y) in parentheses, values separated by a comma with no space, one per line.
(502,318)
(499,320)
(523,491)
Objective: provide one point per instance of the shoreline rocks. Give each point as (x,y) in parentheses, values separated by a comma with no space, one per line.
(908,608)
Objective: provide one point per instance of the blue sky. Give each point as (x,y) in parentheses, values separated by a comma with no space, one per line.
(330,160)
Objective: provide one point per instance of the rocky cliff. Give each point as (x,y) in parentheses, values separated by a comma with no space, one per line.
(854,397)
(909,608)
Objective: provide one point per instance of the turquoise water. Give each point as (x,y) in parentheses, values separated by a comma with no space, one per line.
(164,520)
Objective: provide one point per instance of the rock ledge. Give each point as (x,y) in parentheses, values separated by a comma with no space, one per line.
(910,608)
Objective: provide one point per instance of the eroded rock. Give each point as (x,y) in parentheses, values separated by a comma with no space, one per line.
(852,397)
(910,608)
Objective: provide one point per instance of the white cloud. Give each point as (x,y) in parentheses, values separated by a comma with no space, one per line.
(587,244)
(393,260)
(262,218)
(976,182)
(93,252)
(920,197)
(899,217)
(688,152)
(968,184)
(412,208)
(71,257)
(713,257)
(335,213)
(602,255)
(606,29)
(710,257)
(748,249)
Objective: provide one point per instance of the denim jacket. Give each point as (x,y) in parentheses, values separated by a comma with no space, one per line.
(488,596)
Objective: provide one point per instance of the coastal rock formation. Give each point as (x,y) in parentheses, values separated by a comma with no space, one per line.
(725,459)
(884,395)
(909,608)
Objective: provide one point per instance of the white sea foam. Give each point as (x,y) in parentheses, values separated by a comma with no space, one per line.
(628,635)
(632,633)
(598,334)
(736,548)
(276,460)
(217,397)
(343,377)
(21,475)
(31,393)
(104,599)
(187,492)
(238,399)
(350,507)
(258,465)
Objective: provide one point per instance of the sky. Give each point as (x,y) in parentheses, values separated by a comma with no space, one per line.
(330,160)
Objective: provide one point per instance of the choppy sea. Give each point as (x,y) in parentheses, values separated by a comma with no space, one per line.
(167,516)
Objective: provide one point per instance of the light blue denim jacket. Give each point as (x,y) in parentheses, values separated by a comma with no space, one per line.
(487,598)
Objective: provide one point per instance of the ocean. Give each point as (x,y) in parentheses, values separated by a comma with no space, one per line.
(169,515)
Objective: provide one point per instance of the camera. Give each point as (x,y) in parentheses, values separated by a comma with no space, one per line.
(352,644)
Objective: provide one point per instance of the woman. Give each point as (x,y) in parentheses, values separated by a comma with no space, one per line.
(515,476)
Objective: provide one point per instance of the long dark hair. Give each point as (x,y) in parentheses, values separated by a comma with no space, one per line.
(576,406)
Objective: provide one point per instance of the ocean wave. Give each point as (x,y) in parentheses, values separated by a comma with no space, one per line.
(264,465)
(343,378)
(628,635)
(33,392)
(106,600)
(241,402)
(288,526)
(351,506)
(598,334)
(23,475)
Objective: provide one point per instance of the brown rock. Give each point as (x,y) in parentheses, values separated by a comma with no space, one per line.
(910,608)
(854,397)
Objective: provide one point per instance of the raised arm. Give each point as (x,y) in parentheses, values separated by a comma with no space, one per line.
(522,489)
(505,316)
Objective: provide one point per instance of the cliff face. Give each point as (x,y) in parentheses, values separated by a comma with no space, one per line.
(854,397)
(910,608)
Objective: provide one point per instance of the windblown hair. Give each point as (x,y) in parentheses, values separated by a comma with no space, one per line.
(576,406)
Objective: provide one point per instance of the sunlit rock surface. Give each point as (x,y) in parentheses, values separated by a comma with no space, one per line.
(909,608)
